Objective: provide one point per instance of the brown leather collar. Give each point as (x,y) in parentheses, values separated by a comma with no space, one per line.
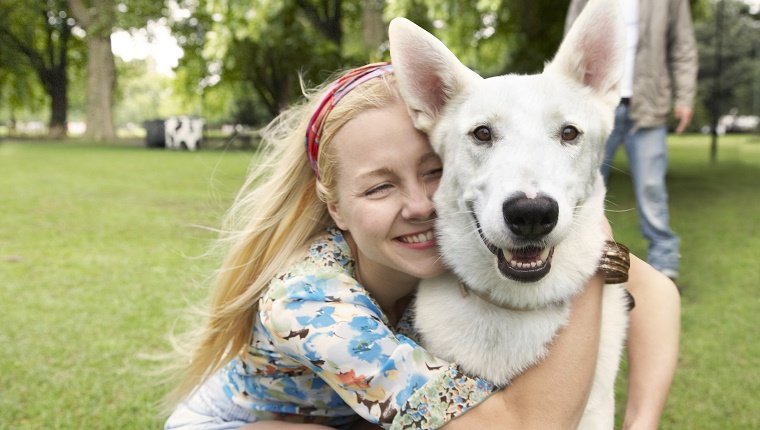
(466,290)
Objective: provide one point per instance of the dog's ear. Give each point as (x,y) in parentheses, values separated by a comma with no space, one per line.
(428,73)
(593,51)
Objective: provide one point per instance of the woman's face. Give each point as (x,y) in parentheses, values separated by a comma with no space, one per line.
(387,173)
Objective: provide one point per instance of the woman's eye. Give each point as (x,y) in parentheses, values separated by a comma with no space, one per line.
(435,173)
(569,133)
(378,190)
(482,134)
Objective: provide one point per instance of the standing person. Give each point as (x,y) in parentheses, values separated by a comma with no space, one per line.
(660,70)
(326,247)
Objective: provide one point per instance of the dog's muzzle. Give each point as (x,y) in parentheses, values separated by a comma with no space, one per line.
(530,220)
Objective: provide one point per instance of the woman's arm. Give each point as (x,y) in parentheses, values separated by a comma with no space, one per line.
(282,425)
(553,394)
(653,335)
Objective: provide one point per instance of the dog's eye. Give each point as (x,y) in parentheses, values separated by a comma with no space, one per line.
(569,133)
(482,134)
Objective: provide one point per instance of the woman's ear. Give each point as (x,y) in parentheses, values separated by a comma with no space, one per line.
(334,211)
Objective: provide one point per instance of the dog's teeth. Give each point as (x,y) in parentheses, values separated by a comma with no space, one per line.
(526,265)
(545,253)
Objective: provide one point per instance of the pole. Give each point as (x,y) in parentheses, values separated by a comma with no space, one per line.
(717,81)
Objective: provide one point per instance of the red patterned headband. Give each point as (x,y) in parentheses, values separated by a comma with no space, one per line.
(352,79)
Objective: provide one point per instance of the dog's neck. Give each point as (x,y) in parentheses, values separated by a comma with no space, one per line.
(485,296)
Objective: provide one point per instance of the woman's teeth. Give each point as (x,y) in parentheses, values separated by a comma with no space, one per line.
(418,238)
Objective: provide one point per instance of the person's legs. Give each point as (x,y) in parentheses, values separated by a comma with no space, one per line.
(619,131)
(209,408)
(648,160)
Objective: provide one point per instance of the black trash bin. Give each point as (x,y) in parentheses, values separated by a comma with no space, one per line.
(154,133)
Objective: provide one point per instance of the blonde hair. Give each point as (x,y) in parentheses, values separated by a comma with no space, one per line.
(280,207)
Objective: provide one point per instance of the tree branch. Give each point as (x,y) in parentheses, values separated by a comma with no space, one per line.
(326,21)
(82,13)
(35,59)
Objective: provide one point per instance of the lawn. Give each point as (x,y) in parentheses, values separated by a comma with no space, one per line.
(102,249)
(716,211)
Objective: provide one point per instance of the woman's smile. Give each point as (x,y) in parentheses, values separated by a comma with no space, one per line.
(421,240)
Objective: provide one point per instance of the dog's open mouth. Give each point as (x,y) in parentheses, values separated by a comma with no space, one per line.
(525,264)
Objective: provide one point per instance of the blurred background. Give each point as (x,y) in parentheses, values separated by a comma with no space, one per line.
(101,68)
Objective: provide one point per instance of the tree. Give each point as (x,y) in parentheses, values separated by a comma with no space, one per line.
(326,18)
(739,59)
(493,37)
(256,49)
(99,19)
(20,91)
(263,46)
(40,34)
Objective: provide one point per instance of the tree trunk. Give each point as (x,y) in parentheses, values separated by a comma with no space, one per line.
(101,80)
(284,93)
(97,17)
(46,51)
(59,104)
(373,27)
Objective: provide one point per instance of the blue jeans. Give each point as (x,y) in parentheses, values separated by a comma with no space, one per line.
(648,161)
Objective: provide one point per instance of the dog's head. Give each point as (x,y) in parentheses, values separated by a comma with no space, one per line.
(521,153)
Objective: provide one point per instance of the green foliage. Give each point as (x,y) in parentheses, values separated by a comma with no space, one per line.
(243,59)
(266,45)
(102,17)
(143,94)
(42,51)
(491,36)
(740,58)
(700,9)
(135,14)
(271,61)
(35,30)
(38,49)
(20,91)
(263,46)
(469,29)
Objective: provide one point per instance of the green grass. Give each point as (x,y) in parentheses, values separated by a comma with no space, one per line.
(716,212)
(97,261)
(100,255)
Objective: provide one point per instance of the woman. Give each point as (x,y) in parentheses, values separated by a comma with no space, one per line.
(307,311)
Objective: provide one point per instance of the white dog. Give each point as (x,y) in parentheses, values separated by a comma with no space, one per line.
(520,204)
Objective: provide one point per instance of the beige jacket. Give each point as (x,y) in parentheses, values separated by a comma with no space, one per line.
(666,65)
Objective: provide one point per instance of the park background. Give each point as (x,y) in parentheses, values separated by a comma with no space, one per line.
(104,243)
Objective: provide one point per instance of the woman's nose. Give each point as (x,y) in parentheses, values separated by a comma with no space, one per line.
(418,204)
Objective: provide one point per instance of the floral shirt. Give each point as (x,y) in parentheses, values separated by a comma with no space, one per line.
(322,351)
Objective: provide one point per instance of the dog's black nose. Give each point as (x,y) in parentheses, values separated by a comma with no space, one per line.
(530,218)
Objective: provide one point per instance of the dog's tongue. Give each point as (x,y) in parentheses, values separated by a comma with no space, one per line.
(526,254)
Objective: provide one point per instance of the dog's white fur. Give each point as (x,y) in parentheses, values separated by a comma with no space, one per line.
(526,115)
